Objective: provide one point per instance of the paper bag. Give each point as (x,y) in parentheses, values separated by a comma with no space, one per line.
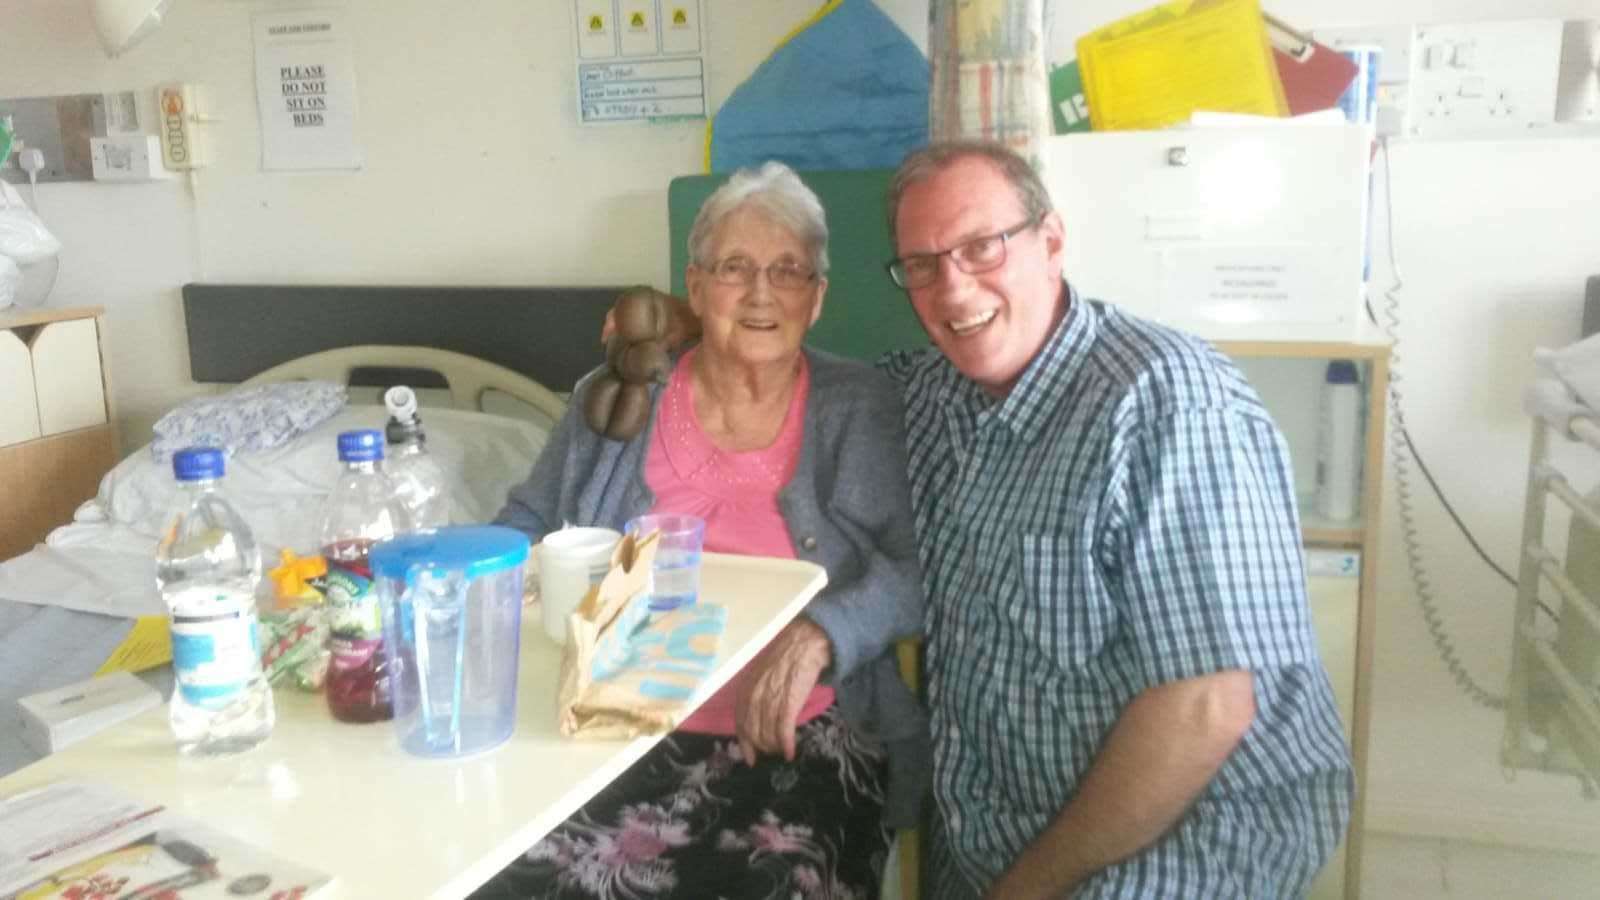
(626,671)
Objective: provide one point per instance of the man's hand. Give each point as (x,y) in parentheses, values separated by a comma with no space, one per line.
(776,688)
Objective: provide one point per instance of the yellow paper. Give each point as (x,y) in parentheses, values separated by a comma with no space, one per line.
(148,645)
(1154,68)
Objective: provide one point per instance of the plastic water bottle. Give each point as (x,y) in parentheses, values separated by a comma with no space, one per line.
(361,510)
(1339,443)
(418,480)
(207,567)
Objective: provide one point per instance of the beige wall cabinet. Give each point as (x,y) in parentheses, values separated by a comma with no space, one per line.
(57,437)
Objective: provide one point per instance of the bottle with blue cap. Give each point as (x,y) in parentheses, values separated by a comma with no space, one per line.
(1338,495)
(207,569)
(361,510)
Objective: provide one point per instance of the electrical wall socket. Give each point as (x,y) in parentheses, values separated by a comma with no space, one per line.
(1485,78)
(127,157)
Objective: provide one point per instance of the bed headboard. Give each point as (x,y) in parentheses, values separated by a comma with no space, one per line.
(551,335)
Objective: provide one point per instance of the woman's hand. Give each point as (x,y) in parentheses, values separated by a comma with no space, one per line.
(779,681)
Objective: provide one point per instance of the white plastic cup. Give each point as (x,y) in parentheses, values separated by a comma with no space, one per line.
(571,561)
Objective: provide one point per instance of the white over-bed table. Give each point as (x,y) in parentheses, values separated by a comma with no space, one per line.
(347,800)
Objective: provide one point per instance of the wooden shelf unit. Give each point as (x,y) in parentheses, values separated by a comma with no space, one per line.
(57,381)
(1370,351)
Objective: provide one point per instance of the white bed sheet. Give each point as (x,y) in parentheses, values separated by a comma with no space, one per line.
(103,562)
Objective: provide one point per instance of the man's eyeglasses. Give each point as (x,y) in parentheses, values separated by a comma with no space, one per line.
(974,257)
(742,271)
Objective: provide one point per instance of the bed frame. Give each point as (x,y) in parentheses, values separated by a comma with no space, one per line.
(469,380)
(1555,662)
(551,335)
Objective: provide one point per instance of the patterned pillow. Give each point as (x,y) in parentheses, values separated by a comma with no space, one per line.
(258,417)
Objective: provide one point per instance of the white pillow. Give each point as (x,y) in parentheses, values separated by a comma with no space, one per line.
(280,491)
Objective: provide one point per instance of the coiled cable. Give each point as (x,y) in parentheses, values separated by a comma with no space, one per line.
(1404,450)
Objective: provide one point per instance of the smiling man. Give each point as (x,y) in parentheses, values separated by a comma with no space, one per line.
(1127,699)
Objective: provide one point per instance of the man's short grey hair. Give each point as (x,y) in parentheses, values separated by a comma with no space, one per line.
(777,193)
(922,164)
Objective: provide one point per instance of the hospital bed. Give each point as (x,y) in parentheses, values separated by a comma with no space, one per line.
(490,366)
(1553,701)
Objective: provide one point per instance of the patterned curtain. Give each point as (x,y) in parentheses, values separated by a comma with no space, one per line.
(988,77)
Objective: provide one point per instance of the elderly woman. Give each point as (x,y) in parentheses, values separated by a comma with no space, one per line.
(780,785)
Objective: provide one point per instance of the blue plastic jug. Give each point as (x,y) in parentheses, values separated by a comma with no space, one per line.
(452,617)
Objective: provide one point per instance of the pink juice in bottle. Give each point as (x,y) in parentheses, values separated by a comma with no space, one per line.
(358,677)
(361,510)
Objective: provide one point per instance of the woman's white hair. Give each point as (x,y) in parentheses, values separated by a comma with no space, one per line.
(777,193)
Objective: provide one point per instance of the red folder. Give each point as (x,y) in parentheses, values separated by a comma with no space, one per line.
(1313,75)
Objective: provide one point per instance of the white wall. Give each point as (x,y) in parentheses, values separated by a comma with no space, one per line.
(476,172)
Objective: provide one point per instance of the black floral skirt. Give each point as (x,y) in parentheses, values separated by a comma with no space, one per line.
(691,820)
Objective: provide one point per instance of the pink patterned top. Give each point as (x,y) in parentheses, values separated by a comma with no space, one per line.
(737,495)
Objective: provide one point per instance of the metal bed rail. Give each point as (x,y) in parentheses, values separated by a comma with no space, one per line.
(1553,701)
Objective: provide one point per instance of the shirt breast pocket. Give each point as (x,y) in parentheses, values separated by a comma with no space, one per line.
(1057,604)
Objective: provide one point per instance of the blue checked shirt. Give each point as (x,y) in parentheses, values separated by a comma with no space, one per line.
(1123,519)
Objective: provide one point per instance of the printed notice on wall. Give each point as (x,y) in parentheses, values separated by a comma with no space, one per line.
(1245,284)
(640,60)
(305,90)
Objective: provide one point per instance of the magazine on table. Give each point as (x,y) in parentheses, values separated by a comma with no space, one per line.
(82,841)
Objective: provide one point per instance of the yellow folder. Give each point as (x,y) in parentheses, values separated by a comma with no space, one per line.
(1154,68)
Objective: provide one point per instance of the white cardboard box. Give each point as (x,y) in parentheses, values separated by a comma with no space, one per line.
(55,720)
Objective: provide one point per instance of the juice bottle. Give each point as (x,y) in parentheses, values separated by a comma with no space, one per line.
(361,510)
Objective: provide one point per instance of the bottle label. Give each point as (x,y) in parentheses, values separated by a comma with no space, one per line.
(352,607)
(214,656)
(352,653)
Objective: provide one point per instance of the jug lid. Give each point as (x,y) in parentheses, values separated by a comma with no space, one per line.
(474,549)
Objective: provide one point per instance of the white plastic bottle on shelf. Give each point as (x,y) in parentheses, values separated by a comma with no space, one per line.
(207,567)
(1339,443)
(418,480)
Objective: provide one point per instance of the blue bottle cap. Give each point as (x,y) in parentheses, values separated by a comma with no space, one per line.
(198,463)
(365,445)
(1342,371)
(474,549)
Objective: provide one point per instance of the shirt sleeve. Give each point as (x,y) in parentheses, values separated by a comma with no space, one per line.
(1210,569)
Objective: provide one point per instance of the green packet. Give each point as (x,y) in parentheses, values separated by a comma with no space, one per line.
(294,646)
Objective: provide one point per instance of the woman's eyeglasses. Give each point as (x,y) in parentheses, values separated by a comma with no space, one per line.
(981,254)
(742,271)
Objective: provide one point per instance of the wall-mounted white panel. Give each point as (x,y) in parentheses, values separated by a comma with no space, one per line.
(1235,233)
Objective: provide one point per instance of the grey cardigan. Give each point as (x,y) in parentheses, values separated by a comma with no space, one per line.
(847,508)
